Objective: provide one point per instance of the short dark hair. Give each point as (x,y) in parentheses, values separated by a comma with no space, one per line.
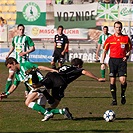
(77,62)
(118,22)
(10,60)
(20,25)
(105,27)
(60,26)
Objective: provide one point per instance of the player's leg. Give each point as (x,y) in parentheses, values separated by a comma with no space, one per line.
(9,80)
(113,90)
(123,89)
(31,104)
(112,74)
(122,77)
(102,69)
(61,60)
(53,62)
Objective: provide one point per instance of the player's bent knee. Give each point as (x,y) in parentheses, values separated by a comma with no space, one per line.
(27,102)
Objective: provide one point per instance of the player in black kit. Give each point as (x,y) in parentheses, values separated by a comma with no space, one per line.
(58,82)
(60,45)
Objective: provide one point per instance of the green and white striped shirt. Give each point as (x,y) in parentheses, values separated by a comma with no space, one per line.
(22,44)
(102,39)
(20,76)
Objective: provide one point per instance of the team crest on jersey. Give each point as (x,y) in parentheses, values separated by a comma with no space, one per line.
(122,45)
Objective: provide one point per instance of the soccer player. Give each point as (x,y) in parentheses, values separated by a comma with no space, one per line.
(101,41)
(60,46)
(58,82)
(21,75)
(22,45)
(120,49)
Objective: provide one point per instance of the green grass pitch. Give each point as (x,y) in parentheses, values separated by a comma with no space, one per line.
(86,98)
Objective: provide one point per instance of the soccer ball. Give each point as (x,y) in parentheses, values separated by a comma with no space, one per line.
(109,116)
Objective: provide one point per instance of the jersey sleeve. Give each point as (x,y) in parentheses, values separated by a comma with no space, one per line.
(100,40)
(30,42)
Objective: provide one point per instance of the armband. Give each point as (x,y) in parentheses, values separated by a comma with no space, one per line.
(7,93)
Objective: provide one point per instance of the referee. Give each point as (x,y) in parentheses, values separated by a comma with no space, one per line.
(120,49)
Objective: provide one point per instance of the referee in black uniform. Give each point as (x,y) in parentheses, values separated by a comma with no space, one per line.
(60,45)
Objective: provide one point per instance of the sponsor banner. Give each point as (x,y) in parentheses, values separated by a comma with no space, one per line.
(3,33)
(39,55)
(76,16)
(86,55)
(50,31)
(31,12)
(126,12)
(107,11)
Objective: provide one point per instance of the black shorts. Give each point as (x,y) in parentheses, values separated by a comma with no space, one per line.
(58,57)
(117,67)
(55,82)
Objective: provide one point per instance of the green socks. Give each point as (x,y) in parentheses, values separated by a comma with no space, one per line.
(8,84)
(57,111)
(102,73)
(37,107)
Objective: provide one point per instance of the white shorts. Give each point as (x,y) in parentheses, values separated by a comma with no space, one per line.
(41,98)
(106,60)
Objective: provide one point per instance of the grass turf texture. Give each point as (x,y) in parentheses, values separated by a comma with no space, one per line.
(86,98)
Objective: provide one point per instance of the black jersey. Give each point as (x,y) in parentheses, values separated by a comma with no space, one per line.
(70,73)
(60,41)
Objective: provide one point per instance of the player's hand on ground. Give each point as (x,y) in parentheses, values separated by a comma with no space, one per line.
(101,79)
(2,95)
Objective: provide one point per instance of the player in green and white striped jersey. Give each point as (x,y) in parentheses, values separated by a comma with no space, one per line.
(21,75)
(22,45)
(101,41)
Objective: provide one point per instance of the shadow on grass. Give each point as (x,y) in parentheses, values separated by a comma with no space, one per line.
(86,97)
(80,131)
(92,119)
(4,101)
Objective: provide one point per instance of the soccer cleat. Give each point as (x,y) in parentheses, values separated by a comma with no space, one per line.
(47,117)
(114,102)
(67,113)
(123,100)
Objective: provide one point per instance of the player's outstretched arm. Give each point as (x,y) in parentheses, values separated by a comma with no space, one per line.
(91,75)
(43,68)
(4,95)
